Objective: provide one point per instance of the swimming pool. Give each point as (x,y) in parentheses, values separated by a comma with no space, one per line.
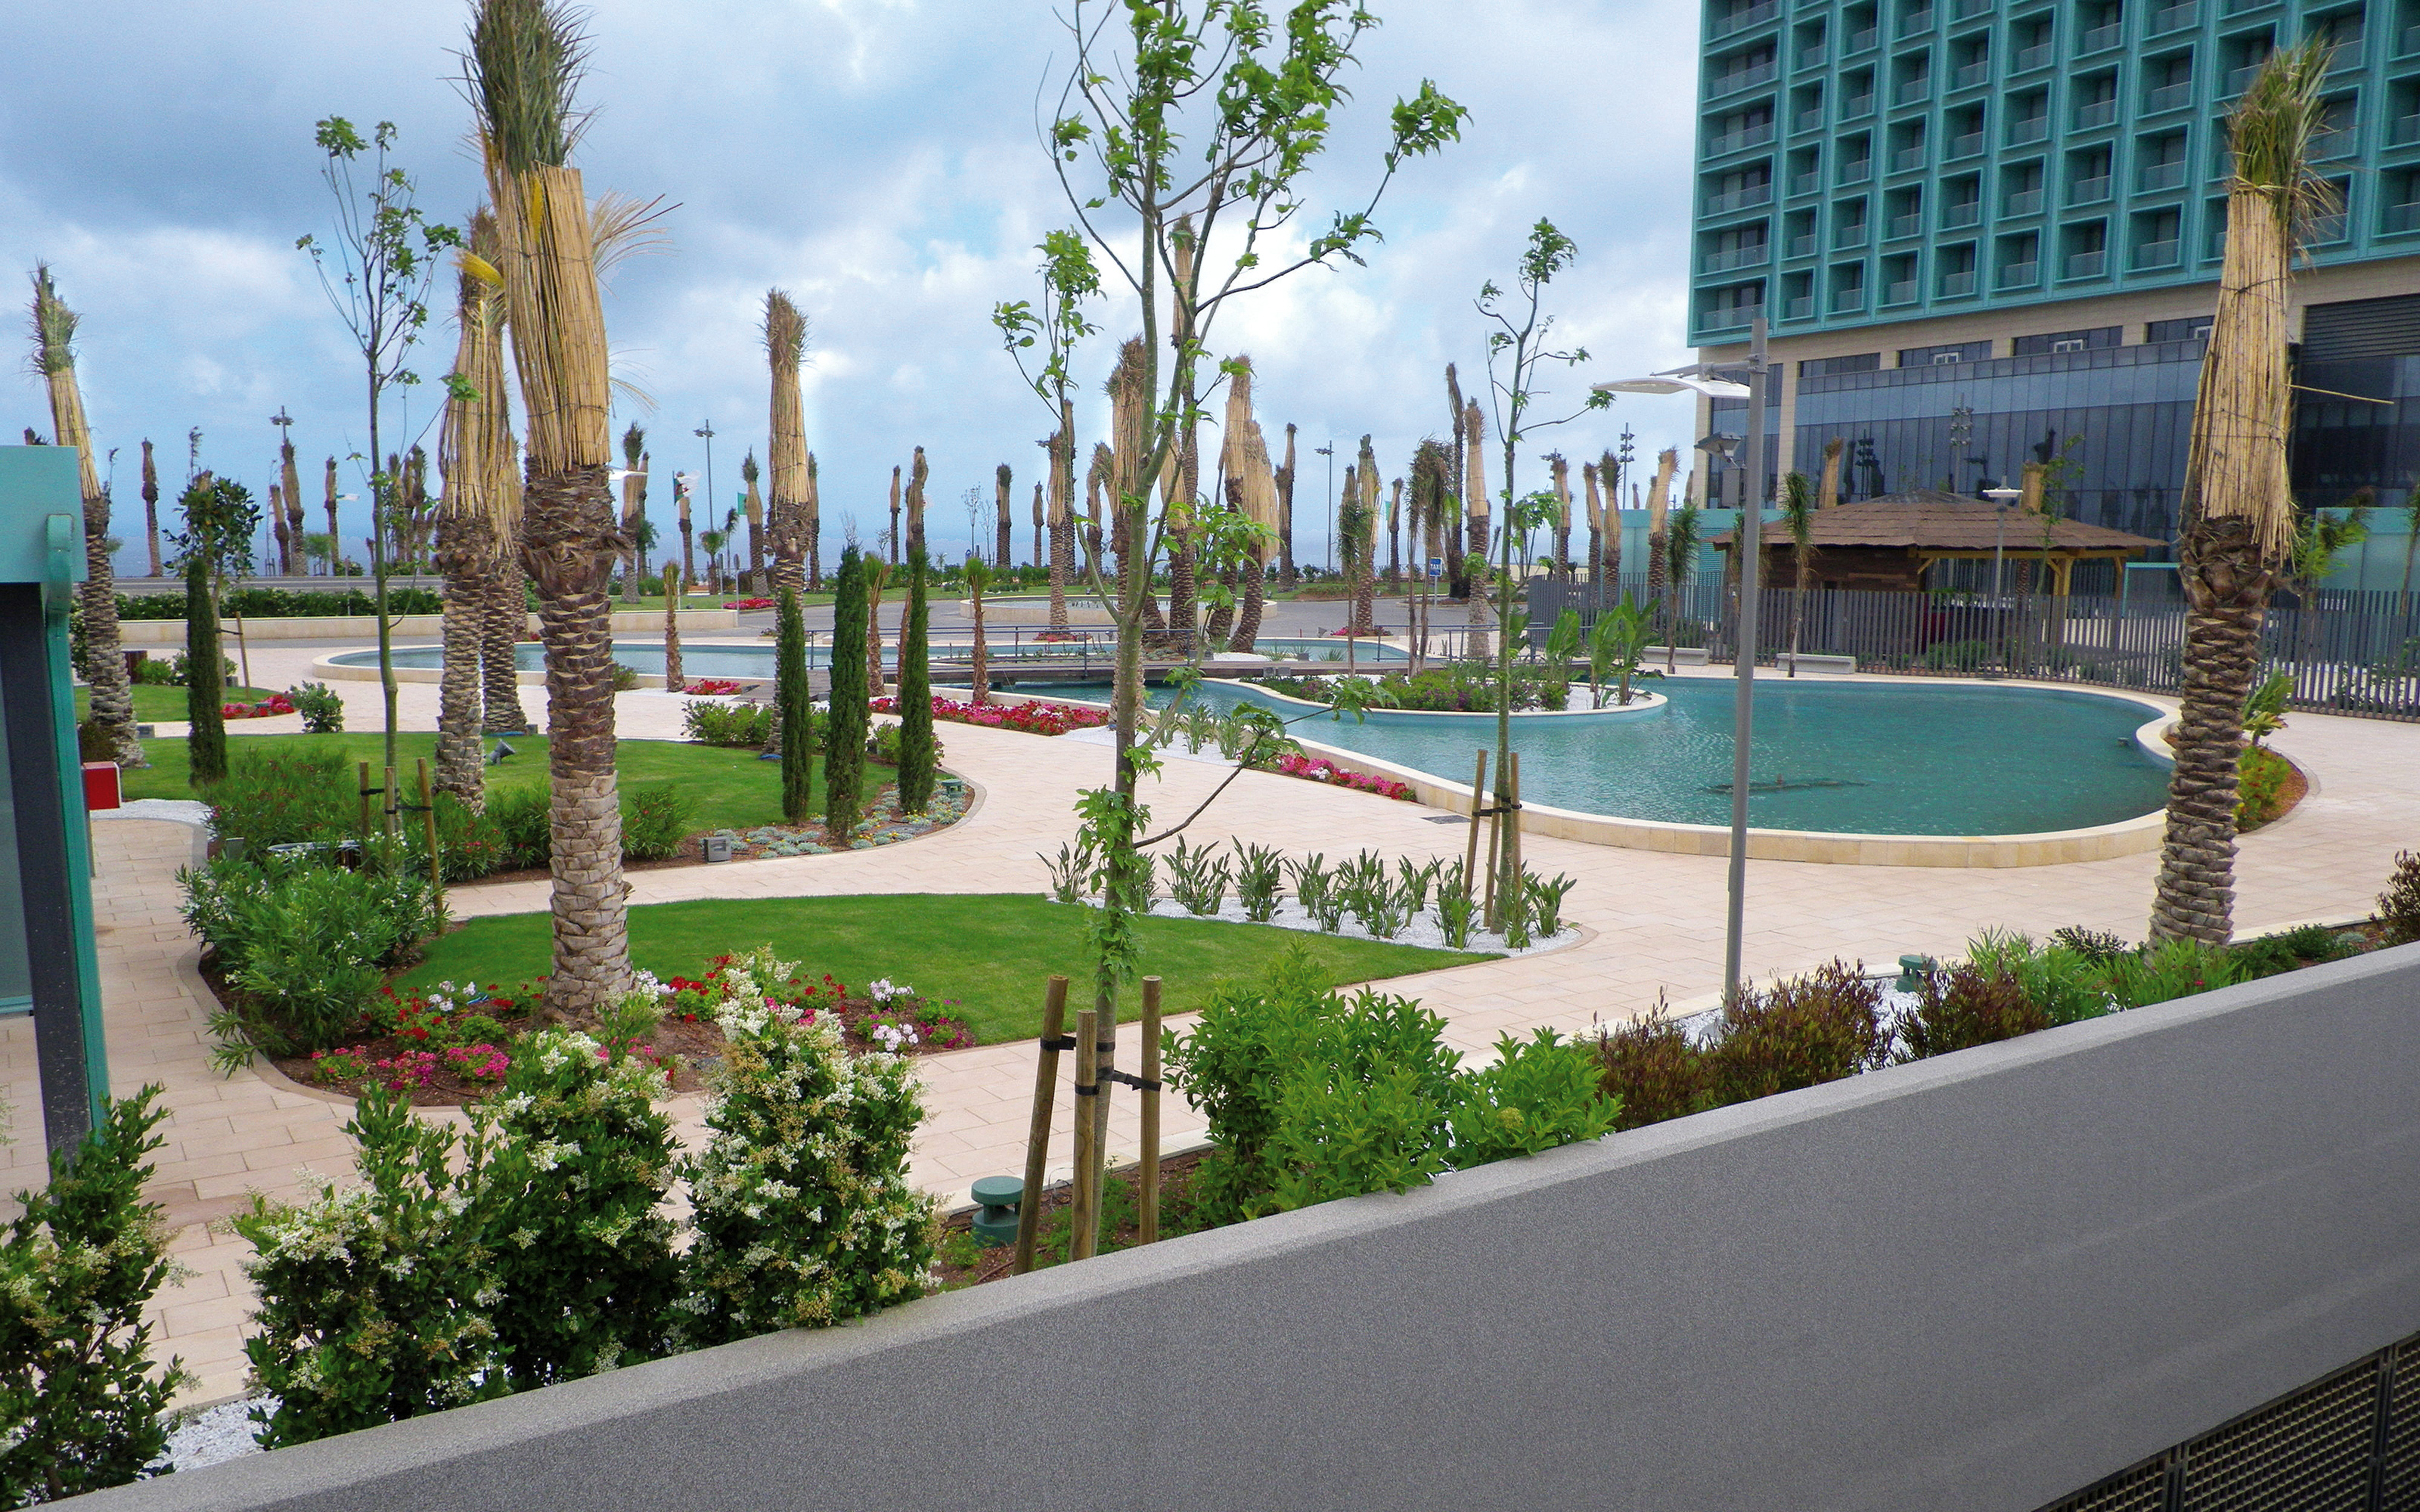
(707,660)
(1847,758)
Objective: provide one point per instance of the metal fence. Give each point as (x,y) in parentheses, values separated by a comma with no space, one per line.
(2347,651)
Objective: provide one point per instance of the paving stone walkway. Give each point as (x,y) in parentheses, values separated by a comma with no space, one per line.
(1653,926)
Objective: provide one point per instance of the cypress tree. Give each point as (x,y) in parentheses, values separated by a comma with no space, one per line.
(792,699)
(916,748)
(845,723)
(204,686)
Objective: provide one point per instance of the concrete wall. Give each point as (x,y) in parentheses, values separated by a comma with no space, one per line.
(1977,1282)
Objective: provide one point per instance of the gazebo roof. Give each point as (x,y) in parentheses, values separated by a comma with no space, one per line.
(1929,519)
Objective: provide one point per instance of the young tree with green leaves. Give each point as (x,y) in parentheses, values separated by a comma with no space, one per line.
(220,521)
(1184,137)
(377,271)
(916,746)
(1798,519)
(844,718)
(1517,348)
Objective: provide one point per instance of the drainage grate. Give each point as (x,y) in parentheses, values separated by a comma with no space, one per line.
(1447,818)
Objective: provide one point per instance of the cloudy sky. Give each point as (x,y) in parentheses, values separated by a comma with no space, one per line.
(878,158)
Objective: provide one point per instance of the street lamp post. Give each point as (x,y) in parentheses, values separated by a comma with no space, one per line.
(2000,499)
(1715,381)
(707,430)
(1328,451)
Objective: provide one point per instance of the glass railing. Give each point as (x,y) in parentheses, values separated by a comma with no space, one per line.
(2168,18)
(2348,55)
(1807,119)
(1851,235)
(1859,42)
(1906,159)
(2152,176)
(1806,183)
(2215,245)
(1902,226)
(1971,74)
(1747,78)
(1740,18)
(2021,275)
(1730,317)
(1801,307)
(2088,191)
(2405,130)
(2237,79)
(1815,57)
(1803,246)
(1856,172)
(2035,56)
(1959,217)
(1846,300)
(1966,145)
(1730,257)
(2086,264)
(2094,113)
(1914,21)
(2031,128)
(1964,9)
(1913,89)
(2096,38)
(1903,292)
(2167,96)
(2024,202)
(1857,105)
(1739,140)
(2327,228)
(2157,253)
(1957,286)
(1739,199)
(2400,218)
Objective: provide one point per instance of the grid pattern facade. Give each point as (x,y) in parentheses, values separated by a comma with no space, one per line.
(1865,160)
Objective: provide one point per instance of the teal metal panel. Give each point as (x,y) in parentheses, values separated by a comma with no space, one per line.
(35,482)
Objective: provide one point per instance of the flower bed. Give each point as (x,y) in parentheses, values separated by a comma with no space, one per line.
(749,603)
(712,687)
(455,1043)
(1315,769)
(1030,719)
(276,703)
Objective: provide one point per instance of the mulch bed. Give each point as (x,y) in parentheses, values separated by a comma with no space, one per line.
(2295,789)
(1176,1175)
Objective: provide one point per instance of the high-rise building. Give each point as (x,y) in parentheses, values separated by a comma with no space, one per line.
(1984,231)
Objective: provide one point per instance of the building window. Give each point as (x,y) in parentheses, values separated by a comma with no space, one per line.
(2068,341)
(1899,279)
(1964,129)
(2168,82)
(1849,224)
(2158,238)
(2028,117)
(1856,94)
(2096,100)
(2017,259)
(1911,78)
(2084,250)
(2160,163)
(2243,55)
(2087,175)
(1826,366)
(2192,328)
(1961,202)
(1957,269)
(1903,214)
(2021,189)
(1960,352)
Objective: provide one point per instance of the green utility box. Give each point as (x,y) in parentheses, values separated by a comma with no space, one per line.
(48,966)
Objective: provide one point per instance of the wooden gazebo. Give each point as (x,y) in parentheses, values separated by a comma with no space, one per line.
(1891,542)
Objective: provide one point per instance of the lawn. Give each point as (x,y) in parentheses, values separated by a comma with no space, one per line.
(732,789)
(157,702)
(992,953)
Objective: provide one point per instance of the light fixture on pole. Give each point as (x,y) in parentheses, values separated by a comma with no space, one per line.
(706,430)
(1714,381)
(1328,451)
(2001,499)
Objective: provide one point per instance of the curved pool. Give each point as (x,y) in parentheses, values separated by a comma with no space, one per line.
(1846,758)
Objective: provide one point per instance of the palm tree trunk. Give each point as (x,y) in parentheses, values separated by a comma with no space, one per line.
(2226,588)
(463,554)
(500,623)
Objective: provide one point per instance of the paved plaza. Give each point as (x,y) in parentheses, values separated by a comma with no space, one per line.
(1650,926)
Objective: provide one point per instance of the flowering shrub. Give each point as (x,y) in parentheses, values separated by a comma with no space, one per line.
(713,687)
(1029,719)
(329,1066)
(804,1215)
(752,976)
(375,1299)
(586,1262)
(1315,769)
(745,602)
(273,704)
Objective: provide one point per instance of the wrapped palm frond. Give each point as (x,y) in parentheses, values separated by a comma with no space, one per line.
(789,515)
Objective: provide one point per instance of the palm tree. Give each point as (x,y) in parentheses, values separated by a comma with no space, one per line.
(1475,506)
(1004,547)
(525,61)
(791,517)
(1252,490)
(979,579)
(2238,510)
(1798,517)
(754,581)
(105,663)
(712,541)
(634,507)
(290,477)
(473,446)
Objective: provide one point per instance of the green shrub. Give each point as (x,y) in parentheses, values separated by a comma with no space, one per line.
(2399,906)
(2097,946)
(305,944)
(274,603)
(1802,1031)
(281,793)
(1651,1071)
(625,679)
(80,1406)
(322,711)
(582,1159)
(94,743)
(1960,656)
(1543,1092)
(738,725)
(470,843)
(375,1299)
(2259,786)
(883,745)
(919,752)
(2171,969)
(1963,1007)
(804,1213)
(521,816)
(1342,1135)
(655,820)
(2273,953)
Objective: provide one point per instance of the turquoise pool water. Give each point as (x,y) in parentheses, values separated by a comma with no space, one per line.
(757,661)
(1861,758)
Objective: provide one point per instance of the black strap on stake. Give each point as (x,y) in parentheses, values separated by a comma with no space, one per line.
(1128,1079)
(1064,1042)
(1081,1090)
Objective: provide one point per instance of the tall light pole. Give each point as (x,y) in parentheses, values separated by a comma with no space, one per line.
(706,430)
(2001,499)
(1328,451)
(1717,382)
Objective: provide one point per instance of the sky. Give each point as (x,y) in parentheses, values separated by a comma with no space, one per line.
(877,158)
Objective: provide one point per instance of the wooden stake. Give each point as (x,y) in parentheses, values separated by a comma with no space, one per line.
(428,827)
(1513,833)
(1081,1234)
(1037,1138)
(365,803)
(390,795)
(1105,1050)
(1477,801)
(1148,1222)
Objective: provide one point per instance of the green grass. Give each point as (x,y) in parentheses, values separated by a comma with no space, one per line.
(157,702)
(733,789)
(991,952)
